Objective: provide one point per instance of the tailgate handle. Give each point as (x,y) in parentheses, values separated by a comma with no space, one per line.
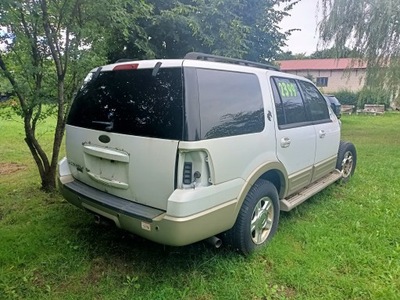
(107,153)
(113,183)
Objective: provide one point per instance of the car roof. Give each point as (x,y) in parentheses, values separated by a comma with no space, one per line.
(201,63)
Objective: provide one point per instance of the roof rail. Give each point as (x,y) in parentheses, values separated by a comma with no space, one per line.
(216,58)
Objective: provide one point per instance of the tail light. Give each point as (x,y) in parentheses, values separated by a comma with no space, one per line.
(126,67)
(187,173)
(194,169)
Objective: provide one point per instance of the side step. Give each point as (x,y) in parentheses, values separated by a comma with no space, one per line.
(298,198)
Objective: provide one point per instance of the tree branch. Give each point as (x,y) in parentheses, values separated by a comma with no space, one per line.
(13,83)
(55,51)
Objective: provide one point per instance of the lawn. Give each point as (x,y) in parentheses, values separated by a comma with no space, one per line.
(343,243)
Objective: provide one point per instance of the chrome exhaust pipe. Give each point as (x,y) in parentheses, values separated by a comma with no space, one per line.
(100,220)
(214,241)
(97,219)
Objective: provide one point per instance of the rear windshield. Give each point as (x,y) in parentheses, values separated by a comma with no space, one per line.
(132,102)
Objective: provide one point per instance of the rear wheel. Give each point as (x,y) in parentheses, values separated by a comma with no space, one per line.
(347,160)
(258,218)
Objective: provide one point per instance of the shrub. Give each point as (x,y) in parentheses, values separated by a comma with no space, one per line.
(374,96)
(366,96)
(347,97)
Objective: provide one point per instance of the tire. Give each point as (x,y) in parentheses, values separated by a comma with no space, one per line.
(257,220)
(347,160)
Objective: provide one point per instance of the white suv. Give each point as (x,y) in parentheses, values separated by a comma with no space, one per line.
(204,147)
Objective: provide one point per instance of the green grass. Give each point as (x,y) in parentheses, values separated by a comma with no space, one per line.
(343,243)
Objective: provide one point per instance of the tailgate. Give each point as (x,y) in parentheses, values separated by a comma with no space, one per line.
(135,168)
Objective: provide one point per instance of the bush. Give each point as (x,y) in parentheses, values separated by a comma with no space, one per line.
(365,96)
(347,97)
(374,96)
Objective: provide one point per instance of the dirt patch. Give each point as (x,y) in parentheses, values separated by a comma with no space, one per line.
(8,168)
(96,271)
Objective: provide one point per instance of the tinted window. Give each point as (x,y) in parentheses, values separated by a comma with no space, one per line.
(314,101)
(289,105)
(230,103)
(132,102)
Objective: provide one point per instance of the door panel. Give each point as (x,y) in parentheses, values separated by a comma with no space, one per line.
(296,150)
(327,135)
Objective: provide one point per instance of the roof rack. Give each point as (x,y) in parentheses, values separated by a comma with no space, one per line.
(216,58)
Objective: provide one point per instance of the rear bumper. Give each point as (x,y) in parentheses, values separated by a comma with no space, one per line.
(151,223)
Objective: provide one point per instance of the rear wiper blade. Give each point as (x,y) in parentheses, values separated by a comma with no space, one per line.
(110,125)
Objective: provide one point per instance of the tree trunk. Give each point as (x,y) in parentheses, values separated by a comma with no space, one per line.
(47,171)
(49,180)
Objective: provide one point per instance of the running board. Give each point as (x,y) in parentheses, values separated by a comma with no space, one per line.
(298,198)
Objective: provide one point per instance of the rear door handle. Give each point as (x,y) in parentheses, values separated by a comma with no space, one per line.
(285,142)
(322,134)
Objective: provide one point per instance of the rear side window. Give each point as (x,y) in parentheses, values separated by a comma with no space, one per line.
(314,101)
(132,102)
(288,102)
(230,103)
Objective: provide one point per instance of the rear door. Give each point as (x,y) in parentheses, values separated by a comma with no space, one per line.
(295,136)
(123,132)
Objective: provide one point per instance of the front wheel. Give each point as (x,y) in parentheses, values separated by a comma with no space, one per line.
(347,160)
(258,218)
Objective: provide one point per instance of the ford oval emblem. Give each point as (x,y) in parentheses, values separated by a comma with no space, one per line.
(104,139)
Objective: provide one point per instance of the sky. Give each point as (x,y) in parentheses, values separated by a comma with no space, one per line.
(303,17)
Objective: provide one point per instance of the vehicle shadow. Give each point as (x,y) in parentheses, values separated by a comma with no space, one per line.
(119,249)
